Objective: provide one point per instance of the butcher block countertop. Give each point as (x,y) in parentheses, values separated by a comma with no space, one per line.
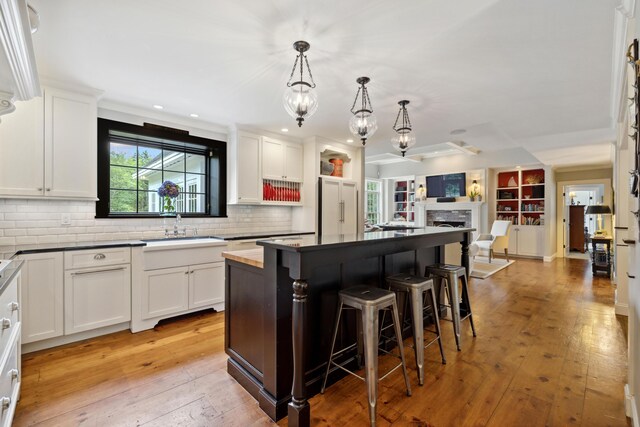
(252,257)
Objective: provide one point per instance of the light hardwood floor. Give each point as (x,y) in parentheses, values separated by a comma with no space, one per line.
(550,352)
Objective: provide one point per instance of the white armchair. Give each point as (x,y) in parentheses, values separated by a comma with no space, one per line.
(498,239)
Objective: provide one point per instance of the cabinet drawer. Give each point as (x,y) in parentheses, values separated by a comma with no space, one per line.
(9,384)
(96,257)
(158,259)
(8,313)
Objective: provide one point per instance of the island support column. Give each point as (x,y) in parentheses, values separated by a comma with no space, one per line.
(464,258)
(299,411)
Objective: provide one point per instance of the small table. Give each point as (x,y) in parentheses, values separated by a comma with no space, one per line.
(605,240)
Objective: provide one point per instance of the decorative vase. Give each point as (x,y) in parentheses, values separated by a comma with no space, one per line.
(479,198)
(472,199)
(168,207)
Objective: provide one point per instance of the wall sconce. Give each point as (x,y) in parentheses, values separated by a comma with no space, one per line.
(422,193)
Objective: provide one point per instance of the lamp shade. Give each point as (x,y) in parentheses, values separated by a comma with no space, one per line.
(598,210)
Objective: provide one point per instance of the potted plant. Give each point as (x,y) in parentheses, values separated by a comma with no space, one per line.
(473,194)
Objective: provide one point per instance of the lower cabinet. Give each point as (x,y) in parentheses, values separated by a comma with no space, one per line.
(169,291)
(94,298)
(10,349)
(526,240)
(42,296)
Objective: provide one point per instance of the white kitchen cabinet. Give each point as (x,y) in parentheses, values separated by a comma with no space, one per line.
(165,292)
(282,161)
(42,296)
(97,297)
(206,285)
(526,240)
(10,351)
(339,206)
(48,147)
(245,176)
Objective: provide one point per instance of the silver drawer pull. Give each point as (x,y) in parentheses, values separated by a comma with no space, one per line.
(14,374)
(191,272)
(5,402)
(99,256)
(14,306)
(80,273)
(186,272)
(6,323)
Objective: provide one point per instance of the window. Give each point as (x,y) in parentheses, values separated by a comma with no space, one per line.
(374,201)
(133,161)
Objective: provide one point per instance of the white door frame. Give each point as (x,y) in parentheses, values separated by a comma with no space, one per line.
(560,185)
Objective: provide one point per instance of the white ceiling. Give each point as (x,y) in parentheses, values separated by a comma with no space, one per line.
(511,72)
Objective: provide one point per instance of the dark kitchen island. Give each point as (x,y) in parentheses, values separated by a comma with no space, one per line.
(280,309)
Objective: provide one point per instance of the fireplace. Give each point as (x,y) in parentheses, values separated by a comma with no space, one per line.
(455,224)
(456,214)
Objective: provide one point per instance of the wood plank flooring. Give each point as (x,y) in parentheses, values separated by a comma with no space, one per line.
(550,352)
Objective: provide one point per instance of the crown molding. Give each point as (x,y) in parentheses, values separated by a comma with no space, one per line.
(15,36)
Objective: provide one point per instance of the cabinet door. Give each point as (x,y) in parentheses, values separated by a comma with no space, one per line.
(248,169)
(272,159)
(531,240)
(293,162)
(349,195)
(42,296)
(94,298)
(165,292)
(513,239)
(70,141)
(22,150)
(330,207)
(206,284)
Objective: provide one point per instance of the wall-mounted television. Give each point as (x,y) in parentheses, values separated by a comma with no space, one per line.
(450,185)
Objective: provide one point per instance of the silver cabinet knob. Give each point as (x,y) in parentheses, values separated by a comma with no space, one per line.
(186,272)
(5,402)
(39,188)
(14,374)
(6,323)
(14,306)
(48,189)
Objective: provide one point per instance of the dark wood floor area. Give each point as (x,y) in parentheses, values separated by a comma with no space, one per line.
(550,352)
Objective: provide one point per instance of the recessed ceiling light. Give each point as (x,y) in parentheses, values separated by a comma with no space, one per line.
(284,130)
(194,115)
(158,107)
(458,131)
(518,167)
(435,152)
(349,140)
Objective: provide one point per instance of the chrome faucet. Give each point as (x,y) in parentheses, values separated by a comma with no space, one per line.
(177,231)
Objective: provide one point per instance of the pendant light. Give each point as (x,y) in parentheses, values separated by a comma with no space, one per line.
(363,123)
(300,99)
(404,139)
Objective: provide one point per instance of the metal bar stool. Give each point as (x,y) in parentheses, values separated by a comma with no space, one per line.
(417,290)
(370,301)
(460,304)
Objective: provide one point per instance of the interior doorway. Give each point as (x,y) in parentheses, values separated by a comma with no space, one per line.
(578,227)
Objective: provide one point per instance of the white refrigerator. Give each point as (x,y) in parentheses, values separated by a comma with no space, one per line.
(337,206)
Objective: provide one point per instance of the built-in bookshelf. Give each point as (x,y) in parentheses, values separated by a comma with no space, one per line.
(520,196)
(403,200)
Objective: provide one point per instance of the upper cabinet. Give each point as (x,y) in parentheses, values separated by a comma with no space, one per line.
(281,160)
(18,73)
(245,181)
(48,147)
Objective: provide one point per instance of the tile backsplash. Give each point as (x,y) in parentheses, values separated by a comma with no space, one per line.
(25,222)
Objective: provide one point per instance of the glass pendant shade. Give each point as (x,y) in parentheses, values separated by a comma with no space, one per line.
(404,138)
(300,101)
(403,141)
(363,125)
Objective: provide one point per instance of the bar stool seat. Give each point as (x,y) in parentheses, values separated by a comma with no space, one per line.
(459,303)
(417,290)
(370,301)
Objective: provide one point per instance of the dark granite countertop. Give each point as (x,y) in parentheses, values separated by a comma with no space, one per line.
(311,242)
(259,234)
(9,272)
(70,246)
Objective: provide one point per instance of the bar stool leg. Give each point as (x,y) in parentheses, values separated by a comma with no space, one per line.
(396,323)
(436,320)
(333,343)
(370,322)
(418,331)
(465,295)
(454,299)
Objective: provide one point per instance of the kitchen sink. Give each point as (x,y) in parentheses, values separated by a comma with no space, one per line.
(182,242)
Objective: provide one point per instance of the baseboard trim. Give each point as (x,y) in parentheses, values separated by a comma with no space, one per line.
(622,309)
(549,258)
(630,408)
(67,339)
